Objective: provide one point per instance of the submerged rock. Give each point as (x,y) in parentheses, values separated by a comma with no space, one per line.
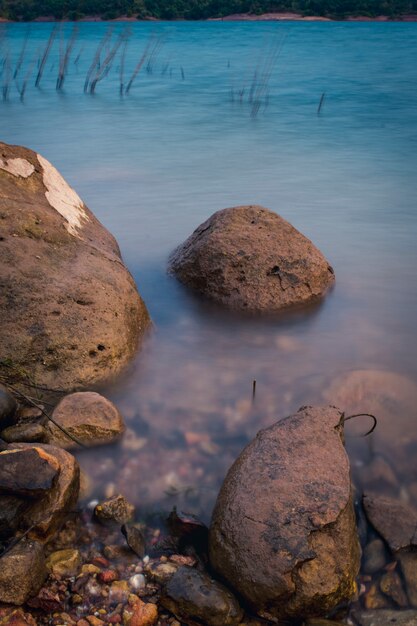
(22,572)
(250,258)
(70,309)
(408,562)
(283,532)
(87,416)
(194,597)
(64,562)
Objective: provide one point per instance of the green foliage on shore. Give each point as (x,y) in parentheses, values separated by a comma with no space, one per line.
(198,9)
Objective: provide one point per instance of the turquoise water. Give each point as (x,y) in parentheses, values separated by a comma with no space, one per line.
(185,142)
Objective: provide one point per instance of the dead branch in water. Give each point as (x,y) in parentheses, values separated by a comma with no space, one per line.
(139,64)
(45,55)
(96,59)
(64,58)
(22,54)
(105,67)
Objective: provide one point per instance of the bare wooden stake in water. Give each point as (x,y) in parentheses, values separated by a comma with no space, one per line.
(323,95)
(45,55)
(96,59)
(139,64)
(22,54)
(253,391)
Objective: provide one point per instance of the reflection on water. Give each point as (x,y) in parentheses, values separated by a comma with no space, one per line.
(155,164)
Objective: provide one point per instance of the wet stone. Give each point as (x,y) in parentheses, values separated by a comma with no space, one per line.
(64,563)
(8,407)
(134,539)
(115,509)
(192,596)
(286,505)
(374,598)
(384,617)
(394,520)
(322,622)
(391,585)
(379,477)
(31,433)
(408,561)
(30,472)
(12,509)
(374,557)
(22,572)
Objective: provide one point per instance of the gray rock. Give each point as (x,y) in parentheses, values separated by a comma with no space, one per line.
(12,509)
(283,532)
(194,597)
(394,520)
(386,617)
(70,311)
(250,258)
(374,557)
(408,562)
(8,407)
(391,585)
(22,572)
(31,433)
(87,416)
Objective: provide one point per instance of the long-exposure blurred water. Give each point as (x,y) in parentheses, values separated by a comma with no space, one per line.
(186,142)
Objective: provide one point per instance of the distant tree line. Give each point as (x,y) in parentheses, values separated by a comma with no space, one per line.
(27,10)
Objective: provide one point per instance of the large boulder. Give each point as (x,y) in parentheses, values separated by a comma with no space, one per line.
(283,532)
(70,309)
(248,257)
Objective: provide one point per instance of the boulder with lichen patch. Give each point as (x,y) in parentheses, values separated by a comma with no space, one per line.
(250,258)
(283,531)
(70,310)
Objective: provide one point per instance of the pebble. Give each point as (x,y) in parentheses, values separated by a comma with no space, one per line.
(137,582)
(374,557)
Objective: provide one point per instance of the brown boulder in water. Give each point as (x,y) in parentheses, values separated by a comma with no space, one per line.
(250,258)
(70,309)
(283,531)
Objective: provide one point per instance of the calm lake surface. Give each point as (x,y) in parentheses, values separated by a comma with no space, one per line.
(188,140)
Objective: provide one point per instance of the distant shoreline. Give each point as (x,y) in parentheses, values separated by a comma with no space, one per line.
(237,17)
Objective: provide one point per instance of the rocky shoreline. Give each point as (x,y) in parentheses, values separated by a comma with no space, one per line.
(292,516)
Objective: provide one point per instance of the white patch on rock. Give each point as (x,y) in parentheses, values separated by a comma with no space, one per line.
(62,197)
(17,167)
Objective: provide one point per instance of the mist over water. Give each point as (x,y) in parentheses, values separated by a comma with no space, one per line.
(186,142)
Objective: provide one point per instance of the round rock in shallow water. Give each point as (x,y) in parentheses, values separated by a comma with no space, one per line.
(250,258)
(89,417)
(70,312)
(283,532)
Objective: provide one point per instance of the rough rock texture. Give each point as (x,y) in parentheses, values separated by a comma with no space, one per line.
(30,472)
(22,572)
(283,531)
(250,258)
(25,432)
(395,521)
(195,598)
(8,406)
(115,509)
(89,417)
(392,398)
(408,562)
(70,310)
(64,563)
(48,513)
(386,617)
